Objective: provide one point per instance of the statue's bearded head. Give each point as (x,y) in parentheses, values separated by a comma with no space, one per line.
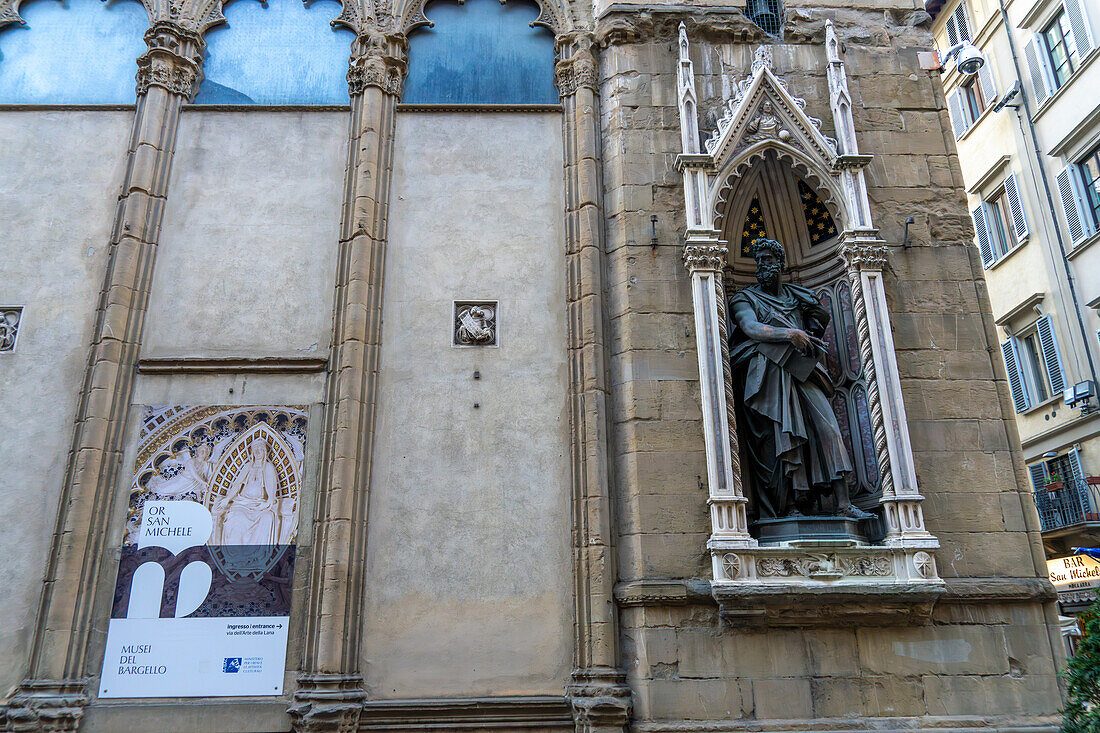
(770,261)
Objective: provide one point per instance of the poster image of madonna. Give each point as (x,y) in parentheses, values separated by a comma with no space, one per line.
(202,600)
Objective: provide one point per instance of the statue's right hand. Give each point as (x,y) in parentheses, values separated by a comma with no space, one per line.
(799,338)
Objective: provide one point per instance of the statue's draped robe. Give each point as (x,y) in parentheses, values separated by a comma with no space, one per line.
(250,518)
(788,429)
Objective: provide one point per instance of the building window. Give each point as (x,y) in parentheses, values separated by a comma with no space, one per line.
(481,52)
(768,14)
(999,222)
(1061,494)
(1090,172)
(1079,188)
(971,99)
(1034,365)
(1033,370)
(1061,48)
(1058,50)
(46,60)
(279,52)
(958,25)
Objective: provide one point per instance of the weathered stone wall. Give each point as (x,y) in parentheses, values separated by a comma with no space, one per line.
(468,585)
(984,660)
(247,260)
(58,195)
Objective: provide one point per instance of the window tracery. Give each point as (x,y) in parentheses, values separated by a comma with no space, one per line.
(481,52)
(280,52)
(46,59)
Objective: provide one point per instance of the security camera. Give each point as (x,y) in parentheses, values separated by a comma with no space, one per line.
(968,58)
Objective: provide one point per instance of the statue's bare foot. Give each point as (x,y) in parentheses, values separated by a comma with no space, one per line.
(795,513)
(854,512)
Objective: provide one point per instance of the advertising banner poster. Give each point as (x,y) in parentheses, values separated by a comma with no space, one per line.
(202,600)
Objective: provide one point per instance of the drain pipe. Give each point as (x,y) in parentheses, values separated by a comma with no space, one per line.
(1046,189)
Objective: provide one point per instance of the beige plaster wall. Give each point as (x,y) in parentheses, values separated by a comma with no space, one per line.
(57,195)
(469,578)
(247,258)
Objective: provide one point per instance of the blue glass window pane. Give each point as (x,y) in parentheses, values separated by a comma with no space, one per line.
(481,52)
(279,53)
(72,52)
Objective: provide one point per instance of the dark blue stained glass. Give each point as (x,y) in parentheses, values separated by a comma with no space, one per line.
(840,409)
(847,324)
(866,433)
(72,52)
(832,356)
(282,52)
(481,52)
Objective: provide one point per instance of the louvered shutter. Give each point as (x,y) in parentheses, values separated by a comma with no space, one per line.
(952,32)
(962,21)
(981,231)
(1016,208)
(987,83)
(1078,215)
(1012,366)
(1042,78)
(1075,466)
(960,121)
(1079,24)
(1049,341)
(1038,473)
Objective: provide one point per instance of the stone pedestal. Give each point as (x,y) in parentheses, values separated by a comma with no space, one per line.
(817,527)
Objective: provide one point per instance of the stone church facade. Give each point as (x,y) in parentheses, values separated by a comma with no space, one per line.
(456,373)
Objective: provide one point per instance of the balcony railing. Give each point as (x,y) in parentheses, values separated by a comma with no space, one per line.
(1073,503)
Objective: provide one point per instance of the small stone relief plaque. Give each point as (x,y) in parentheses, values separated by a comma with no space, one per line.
(10,317)
(475,323)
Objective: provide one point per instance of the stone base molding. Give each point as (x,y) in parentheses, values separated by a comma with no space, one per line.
(930,724)
(601,701)
(476,713)
(327,703)
(45,706)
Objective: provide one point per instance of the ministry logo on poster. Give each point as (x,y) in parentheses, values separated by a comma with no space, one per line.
(231,665)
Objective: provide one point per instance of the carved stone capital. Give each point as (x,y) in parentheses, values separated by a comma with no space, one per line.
(864,256)
(327,703)
(699,257)
(600,699)
(379,60)
(580,69)
(47,706)
(173,61)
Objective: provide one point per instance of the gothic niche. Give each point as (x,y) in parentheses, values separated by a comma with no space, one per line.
(828,487)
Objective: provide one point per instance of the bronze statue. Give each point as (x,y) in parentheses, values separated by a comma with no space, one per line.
(789,433)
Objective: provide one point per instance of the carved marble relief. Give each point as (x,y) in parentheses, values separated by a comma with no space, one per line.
(475,323)
(10,317)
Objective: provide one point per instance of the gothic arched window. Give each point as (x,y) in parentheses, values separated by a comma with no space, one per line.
(72,52)
(280,52)
(481,52)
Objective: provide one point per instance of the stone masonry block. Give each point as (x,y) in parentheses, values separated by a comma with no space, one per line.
(782,698)
(984,695)
(933,650)
(693,700)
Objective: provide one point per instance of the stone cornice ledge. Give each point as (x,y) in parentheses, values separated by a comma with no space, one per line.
(697,591)
(998,590)
(232,365)
(476,713)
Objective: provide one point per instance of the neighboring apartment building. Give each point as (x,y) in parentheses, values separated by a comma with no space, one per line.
(1028,133)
